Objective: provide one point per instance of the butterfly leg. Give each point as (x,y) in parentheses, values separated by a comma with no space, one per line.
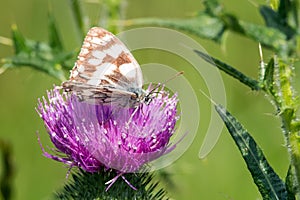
(131,117)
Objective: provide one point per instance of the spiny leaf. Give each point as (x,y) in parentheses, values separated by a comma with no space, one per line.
(214,27)
(268,182)
(289,9)
(277,83)
(274,20)
(269,78)
(253,84)
(92,186)
(203,25)
(283,9)
(18,40)
(49,58)
(213,21)
(213,7)
(268,37)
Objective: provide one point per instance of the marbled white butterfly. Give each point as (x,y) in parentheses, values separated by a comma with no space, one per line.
(106,72)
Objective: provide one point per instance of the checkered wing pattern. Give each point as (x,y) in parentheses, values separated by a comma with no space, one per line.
(106,71)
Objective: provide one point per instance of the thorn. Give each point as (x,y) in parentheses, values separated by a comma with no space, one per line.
(212,101)
(261,62)
(260,52)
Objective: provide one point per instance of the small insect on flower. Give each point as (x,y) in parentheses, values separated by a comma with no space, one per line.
(104,119)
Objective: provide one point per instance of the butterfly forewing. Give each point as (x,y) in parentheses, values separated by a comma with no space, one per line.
(105,70)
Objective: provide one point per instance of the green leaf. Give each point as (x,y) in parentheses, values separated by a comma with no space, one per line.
(92,186)
(253,84)
(268,81)
(288,9)
(46,57)
(213,27)
(277,83)
(268,37)
(207,24)
(283,9)
(274,20)
(268,182)
(18,40)
(203,25)
(213,21)
(213,7)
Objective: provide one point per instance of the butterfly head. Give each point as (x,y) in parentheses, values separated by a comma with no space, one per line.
(139,96)
(144,97)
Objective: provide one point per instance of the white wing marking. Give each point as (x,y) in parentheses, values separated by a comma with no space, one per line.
(80,69)
(101,41)
(74,73)
(98,54)
(94,61)
(102,70)
(84,51)
(128,70)
(114,51)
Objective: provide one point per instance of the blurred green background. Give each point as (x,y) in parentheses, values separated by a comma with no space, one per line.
(221,175)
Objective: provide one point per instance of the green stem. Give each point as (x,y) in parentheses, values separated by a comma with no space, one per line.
(293,141)
(286,102)
(295,153)
(54,71)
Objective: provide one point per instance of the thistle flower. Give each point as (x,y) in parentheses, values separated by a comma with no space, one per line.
(96,136)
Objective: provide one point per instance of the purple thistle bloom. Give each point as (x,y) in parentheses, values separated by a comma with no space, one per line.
(98,136)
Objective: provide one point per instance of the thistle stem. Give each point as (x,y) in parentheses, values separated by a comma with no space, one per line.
(285,102)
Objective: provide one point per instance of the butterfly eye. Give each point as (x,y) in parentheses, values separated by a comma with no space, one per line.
(147,100)
(135,96)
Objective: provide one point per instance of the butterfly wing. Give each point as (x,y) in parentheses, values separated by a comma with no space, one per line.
(104,66)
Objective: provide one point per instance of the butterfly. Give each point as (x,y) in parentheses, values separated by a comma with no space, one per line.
(106,72)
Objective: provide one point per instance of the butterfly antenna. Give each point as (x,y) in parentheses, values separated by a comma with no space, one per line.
(173,77)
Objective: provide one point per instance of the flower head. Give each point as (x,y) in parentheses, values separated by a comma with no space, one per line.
(92,136)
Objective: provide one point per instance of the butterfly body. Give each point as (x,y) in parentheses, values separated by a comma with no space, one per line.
(106,72)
